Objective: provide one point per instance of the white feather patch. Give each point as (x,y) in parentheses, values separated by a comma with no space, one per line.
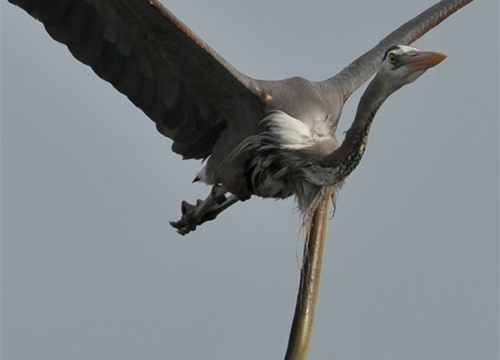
(292,133)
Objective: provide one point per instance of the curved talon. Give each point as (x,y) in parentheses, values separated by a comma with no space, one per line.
(203,211)
(187,207)
(183,227)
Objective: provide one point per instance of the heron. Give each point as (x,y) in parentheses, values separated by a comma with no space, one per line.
(273,139)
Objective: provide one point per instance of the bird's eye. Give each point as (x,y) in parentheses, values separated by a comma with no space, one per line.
(393,59)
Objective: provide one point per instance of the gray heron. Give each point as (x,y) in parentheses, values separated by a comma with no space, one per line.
(272,139)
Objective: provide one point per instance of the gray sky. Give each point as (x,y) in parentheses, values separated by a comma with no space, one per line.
(92,270)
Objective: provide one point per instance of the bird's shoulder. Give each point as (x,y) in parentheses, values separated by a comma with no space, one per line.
(311,102)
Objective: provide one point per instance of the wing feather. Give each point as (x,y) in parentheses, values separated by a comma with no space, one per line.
(361,69)
(146,53)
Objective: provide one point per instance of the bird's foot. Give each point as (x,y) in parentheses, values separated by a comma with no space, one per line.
(204,210)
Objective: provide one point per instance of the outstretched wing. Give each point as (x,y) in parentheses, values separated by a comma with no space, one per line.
(361,69)
(146,53)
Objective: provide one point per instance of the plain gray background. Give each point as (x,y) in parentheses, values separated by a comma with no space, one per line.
(92,270)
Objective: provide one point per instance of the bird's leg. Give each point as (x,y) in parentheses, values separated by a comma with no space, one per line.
(204,210)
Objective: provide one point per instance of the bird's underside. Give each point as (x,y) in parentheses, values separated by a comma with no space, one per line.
(269,164)
(264,138)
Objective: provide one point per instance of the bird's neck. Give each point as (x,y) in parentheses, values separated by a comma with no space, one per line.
(347,157)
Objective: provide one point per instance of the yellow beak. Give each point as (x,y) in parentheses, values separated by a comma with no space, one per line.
(424,60)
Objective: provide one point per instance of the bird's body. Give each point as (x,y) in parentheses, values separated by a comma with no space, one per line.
(264,160)
(266,138)
(290,156)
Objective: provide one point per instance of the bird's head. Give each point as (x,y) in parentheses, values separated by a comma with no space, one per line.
(403,64)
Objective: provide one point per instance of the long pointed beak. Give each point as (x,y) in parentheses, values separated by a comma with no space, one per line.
(424,60)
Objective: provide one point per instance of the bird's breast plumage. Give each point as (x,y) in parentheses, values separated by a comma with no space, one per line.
(275,158)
